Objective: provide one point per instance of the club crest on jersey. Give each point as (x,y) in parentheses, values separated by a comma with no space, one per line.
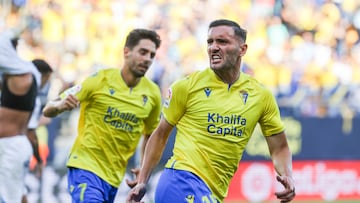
(168,98)
(207,91)
(244,95)
(145,99)
(112,91)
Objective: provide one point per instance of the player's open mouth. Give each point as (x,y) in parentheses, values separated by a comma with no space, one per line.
(144,67)
(215,58)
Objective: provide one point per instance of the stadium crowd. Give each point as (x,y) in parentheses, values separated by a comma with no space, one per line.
(306,51)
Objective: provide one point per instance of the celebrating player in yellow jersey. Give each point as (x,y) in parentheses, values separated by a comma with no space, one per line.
(215,112)
(116,108)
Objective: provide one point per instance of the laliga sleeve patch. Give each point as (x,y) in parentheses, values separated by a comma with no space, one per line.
(168,98)
(72,90)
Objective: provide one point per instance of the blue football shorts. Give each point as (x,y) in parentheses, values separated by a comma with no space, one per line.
(86,187)
(178,186)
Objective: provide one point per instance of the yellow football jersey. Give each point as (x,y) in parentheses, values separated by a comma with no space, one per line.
(112,119)
(214,123)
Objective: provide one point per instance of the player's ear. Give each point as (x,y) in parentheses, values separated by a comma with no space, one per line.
(126,51)
(243,49)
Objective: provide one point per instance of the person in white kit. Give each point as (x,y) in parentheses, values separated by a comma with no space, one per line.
(20,83)
(37,119)
(45,70)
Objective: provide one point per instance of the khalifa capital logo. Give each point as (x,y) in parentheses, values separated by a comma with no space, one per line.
(244,95)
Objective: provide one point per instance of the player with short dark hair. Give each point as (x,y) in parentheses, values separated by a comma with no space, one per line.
(215,112)
(45,71)
(116,108)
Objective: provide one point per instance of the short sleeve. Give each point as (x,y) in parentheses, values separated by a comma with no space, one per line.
(175,101)
(270,120)
(84,90)
(153,119)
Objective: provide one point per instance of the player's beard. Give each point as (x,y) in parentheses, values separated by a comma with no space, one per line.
(227,62)
(138,71)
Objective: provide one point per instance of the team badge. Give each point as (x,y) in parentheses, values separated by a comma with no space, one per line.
(112,91)
(145,99)
(244,95)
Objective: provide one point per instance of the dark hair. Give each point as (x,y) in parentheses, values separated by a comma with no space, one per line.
(240,32)
(136,35)
(42,66)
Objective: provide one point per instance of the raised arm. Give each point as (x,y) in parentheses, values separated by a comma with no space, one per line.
(10,61)
(282,159)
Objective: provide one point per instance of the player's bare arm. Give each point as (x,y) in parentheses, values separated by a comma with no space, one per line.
(53,108)
(152,155)
(282,160)
(136,171)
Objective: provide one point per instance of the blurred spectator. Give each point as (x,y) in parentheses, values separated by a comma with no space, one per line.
(302,48)
(306,51)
